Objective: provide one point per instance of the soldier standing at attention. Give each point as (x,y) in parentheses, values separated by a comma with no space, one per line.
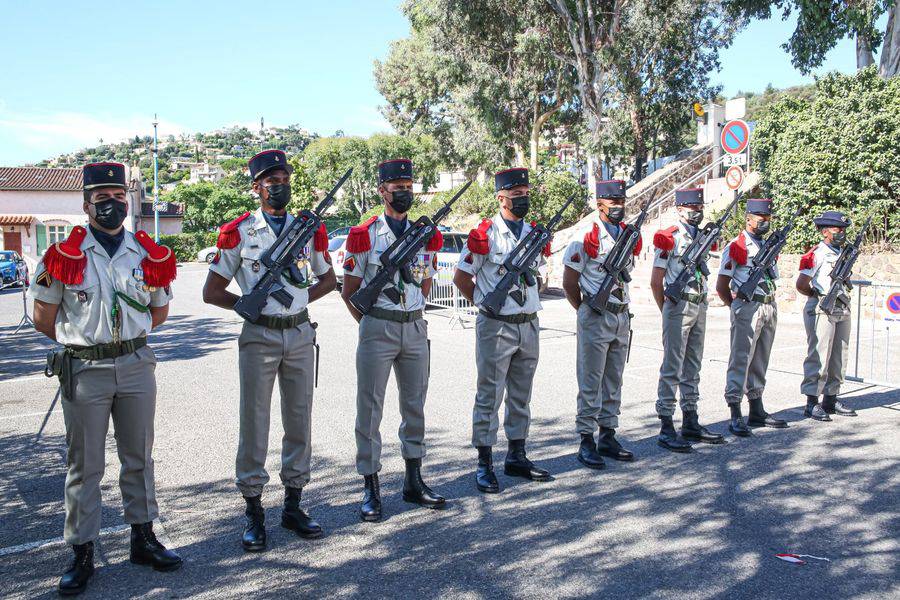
(683,328)
(753,322)
(392,335)
(827,335)
(507,345)
(281,343)
(603,336)
(99,293)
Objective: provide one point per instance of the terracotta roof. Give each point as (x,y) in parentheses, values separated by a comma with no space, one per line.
(40,179)
(16,219)
(173,209)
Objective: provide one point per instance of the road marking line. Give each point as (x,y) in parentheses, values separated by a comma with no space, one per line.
(43,412)
(54,541)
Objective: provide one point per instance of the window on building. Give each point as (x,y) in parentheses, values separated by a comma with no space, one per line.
(56,233)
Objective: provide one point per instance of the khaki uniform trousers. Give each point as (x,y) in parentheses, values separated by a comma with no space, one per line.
(506,355)
(263,354)
(404,347)
(752,333)
(123,388)
(828,338)
(602,350)
(683,335)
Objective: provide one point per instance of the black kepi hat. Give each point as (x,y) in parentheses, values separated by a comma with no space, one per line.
(510,178)
(266,161)
(688,196)
(396,168)
(832,218)
(759,206)
(104,174)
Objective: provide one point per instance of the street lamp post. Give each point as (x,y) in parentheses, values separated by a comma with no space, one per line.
(155,181)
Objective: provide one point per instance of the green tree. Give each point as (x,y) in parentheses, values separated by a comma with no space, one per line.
(836,151)
(208,205)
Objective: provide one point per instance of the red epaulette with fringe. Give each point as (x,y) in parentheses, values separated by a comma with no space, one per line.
(436,242)
(738,250)
(320,239)
(229,236)
(159,266)
(65,260)
(664,239)
(592,241)
(808,260)
(478,241)
(358,238)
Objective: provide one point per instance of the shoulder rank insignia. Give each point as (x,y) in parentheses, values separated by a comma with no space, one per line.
(229,236)
(478,242)
(159,266)
(44,279)
(808,260)
(358,239)
(65,261)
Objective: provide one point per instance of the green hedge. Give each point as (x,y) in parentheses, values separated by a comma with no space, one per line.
(187,245)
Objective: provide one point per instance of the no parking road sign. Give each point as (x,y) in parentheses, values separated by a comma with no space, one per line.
(893,303)
(735,136)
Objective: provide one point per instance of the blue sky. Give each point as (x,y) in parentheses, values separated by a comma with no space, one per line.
(76,72)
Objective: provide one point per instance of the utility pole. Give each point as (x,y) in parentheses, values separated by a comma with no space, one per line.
(155,180)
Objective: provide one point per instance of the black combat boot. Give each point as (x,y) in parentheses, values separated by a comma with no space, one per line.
(371,504)
(669,439)
(415,490)
(518,465)
(833,406)
(760,418)
(737,425)
(587,453)
(692,430)
(814,410)
(293,517)
(254,538)
(74,580)
(485,480)
(146,549)
(608,445)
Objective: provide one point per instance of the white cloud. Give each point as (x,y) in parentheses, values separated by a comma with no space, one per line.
(29,137)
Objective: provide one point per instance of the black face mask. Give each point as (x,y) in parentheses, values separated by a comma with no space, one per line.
(110,214)
(615,214)
(762,228)
(838,239)
(520,206)
(401,201)
(279,195)
(693,217)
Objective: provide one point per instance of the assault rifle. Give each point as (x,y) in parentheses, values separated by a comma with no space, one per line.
(695,255)
(398,257)
(616,262)
(764,261)
(281,258)
(519,263)
(840,273)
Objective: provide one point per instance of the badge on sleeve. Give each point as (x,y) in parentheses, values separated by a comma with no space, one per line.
(217,257)
(434,261)
(44,279)
(349,264)
(576,258)
(327,257)
(468,259)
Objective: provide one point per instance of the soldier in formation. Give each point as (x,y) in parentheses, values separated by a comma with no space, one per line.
(99,293)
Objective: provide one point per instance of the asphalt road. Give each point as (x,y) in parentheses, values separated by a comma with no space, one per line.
(702,525)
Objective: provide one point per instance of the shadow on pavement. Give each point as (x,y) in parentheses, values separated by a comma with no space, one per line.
(665,526)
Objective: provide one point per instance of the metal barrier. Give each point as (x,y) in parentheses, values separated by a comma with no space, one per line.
(445,295)
(874,335)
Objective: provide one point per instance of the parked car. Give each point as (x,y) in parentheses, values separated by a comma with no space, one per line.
(340,231)
(336,250)
(207,254)
(13,268)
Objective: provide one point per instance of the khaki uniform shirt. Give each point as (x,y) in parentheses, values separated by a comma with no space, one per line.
(823,259)
(366,264)
(86,316)
(488,268)
(243,264)
(591,269)
(671,260)
(740,273)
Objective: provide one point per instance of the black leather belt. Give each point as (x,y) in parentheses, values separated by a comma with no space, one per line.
(110,350)
(514,319)
(764,298)
(288,322)
(397,316)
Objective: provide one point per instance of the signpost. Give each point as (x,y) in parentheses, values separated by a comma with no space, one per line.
(735,136)
(734,177)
